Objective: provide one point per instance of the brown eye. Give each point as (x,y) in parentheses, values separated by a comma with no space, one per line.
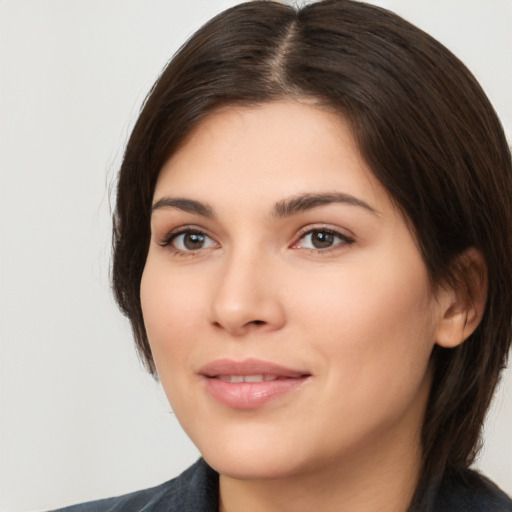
(190,241)
(193,241)
(319,239)
(322,239)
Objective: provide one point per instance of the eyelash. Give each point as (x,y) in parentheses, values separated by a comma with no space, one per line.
(345,240)
(167,242)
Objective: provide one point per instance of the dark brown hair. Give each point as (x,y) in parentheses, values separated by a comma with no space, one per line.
(425,128)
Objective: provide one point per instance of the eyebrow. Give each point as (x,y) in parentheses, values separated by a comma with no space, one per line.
(284,208)
(304,202)
(186,205)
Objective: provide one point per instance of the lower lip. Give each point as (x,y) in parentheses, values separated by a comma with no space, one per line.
(249,395)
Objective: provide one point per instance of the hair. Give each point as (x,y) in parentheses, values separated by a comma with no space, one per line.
(423,125)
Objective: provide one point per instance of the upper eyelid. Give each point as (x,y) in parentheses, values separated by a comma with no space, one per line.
(343,232)
(171,234)
(346,238)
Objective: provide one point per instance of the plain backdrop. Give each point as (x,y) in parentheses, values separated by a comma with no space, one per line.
(79,417)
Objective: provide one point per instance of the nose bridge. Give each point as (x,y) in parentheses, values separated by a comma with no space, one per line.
(246,297)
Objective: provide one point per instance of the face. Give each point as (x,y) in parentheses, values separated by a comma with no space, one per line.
(288,309)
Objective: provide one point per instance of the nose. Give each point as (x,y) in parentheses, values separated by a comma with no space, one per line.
(247,297)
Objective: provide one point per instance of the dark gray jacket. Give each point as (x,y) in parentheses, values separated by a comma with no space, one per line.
(197,490)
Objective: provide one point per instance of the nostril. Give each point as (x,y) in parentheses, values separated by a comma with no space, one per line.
(257,322)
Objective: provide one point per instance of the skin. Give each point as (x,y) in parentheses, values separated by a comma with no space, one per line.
(358,315)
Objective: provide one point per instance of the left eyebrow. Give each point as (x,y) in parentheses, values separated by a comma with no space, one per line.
(297,204)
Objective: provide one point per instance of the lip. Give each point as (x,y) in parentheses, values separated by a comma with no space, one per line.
(250,395)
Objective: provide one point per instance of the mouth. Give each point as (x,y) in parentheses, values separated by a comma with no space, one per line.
(251,383)
(236,379)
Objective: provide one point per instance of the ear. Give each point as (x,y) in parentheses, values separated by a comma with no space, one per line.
(462,305)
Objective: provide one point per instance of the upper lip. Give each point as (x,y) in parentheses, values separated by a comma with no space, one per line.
(249,367)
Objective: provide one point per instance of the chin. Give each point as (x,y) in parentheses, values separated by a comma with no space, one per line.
(253,461)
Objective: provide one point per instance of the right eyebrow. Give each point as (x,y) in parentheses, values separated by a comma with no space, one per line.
(186,205)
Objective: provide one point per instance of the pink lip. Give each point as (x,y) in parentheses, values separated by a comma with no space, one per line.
(248,367)
(249,395)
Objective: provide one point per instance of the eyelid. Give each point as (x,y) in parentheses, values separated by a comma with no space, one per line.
(167,239)
(347,239)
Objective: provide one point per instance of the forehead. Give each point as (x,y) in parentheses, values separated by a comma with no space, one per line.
(268,151)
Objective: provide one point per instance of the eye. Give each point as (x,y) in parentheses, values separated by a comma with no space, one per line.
(322,239)
(190,241)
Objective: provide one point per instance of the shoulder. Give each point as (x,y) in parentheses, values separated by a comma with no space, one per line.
(195,490)
(466,490)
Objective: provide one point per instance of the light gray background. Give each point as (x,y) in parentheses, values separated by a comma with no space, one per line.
(79,417)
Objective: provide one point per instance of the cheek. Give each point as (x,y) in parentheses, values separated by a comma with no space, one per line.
(374,323)
(373,333)
(367,298)
(170,308)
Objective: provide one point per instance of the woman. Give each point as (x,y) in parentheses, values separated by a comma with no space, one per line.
(312,242)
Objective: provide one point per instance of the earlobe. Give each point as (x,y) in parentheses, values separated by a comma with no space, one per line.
(462,306)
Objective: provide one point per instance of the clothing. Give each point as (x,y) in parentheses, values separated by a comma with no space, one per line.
(197,490)
(468,491)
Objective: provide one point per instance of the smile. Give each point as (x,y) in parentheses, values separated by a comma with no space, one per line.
(251,383)
(247,378)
